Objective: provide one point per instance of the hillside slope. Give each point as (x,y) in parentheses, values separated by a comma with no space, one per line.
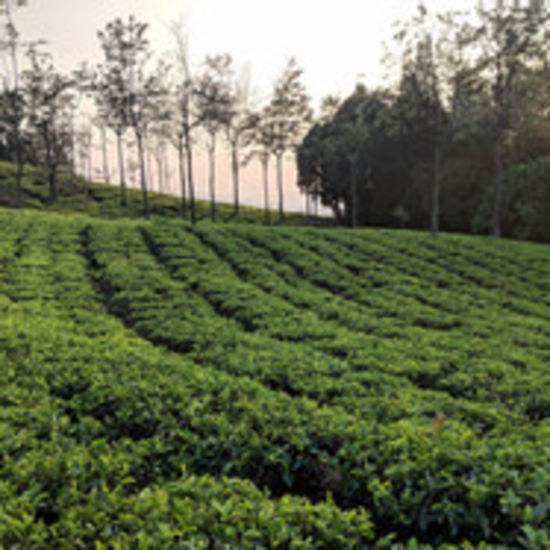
(101,200)
(242,386)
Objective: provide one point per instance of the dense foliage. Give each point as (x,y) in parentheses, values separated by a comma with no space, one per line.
(240,386)
(393,171)
(430,149)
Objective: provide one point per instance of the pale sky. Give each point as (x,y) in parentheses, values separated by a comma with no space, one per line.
(337,43)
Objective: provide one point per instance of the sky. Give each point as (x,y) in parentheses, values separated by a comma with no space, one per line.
(337,43)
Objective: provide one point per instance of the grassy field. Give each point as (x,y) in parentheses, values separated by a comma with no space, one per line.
(103,201)
(241,386)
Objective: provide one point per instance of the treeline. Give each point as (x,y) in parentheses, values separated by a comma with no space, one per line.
(150,106)
(460,143)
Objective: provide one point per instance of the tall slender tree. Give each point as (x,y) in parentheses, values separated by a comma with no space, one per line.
(290,114)
(83,139)
(509,39)
(258,140)
(136,95)
(12,106)
(160,136)
(47,97)
(185,118)
(432,61)
(109,84)
(215,105)
(147,104)
(100,122)
(238,123)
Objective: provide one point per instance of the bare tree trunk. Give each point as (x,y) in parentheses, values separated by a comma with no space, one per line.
(499,92)
(265,174)
(18,146)
(50,163)
(89,159)
(73,153)
(165,171)
(190,181)
(149,169)
(181,170)
(16,111)
(212,175)
(130,169)
(436,190)
(187,127)
(497,188)
(52,182)
(106,176)
(143,181)
(20,200)
(123,194)
(279,168)
(354,191)
(235,173)
(160,175)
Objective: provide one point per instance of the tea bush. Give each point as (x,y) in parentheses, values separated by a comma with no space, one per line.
(169,386)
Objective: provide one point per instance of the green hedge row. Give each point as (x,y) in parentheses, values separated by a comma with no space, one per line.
(79,393)
(492,357)
(96,423)
(374,388)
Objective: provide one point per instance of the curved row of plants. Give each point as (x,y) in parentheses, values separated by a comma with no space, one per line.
(403,427)
(389,369)
(501,358)
(106,440)
(171,313)
(109,438)
(475,368)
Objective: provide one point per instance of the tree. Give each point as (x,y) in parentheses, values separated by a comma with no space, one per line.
(147,104)
(83,141)
(432,62)
(101,123)
(259,138)
(468,155)
(354,136)
(237,125)
(329,107)
(12,105)
(47,99)
(185,118)
(327,110)
(160,135)
(421,125)
(290,113)
(95,83)
(214,101)
(136,96)
(350,159)
(509,39)
(109,83)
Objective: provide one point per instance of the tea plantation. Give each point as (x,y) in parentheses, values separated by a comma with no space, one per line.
(241,386)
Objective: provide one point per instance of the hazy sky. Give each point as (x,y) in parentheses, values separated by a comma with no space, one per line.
(336,42)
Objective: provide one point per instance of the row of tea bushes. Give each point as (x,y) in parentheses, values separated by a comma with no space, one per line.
(508,364)
(110,440)
(388,394)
